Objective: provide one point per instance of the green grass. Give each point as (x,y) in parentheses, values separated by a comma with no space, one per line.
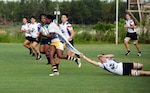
(21,73)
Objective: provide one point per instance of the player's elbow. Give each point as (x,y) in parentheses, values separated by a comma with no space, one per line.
(112,56)
(96,65)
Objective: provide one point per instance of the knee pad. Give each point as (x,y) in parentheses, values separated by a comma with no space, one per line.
(135,42)
(126,39)
(136,73)
(139,66)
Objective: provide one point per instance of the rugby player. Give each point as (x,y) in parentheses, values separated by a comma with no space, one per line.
(108,63)
(24,29)
(44,41)
(33,30)
(67,31)
(56,47)
(131,35)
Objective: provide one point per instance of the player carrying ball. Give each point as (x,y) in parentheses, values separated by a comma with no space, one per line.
(56,47)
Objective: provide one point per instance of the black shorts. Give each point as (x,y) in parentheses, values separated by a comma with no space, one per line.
(35,40)
(71,42)
(45,41)
(133,36)
(127,67)
(29,38)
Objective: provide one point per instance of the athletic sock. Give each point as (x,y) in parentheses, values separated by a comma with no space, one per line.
(30,50)
(54,68)
(78,56)
(57,65)
(38,56)
(48,58)
(72,58)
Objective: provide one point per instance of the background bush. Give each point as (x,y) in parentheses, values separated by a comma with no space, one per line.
(98,33)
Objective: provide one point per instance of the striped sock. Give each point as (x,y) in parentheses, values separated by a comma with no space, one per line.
(54,68)
(72,58)
(57,65)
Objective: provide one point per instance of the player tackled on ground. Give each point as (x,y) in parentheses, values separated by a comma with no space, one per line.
(108,63)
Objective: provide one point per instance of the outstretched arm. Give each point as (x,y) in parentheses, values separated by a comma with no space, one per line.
(89,60)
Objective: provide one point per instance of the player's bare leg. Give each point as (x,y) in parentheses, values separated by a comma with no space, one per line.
(126,40)
(140,73)
(47,52)
(137,47)
(35,48)
(26,43)
(57,61)
(33,53)
(137,66)
(67,57)
(52,60)
(68,52)
(42,50)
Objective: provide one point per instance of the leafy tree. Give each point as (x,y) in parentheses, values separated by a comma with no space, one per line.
(80,11)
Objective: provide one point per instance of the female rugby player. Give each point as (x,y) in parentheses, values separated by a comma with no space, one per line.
(108,63)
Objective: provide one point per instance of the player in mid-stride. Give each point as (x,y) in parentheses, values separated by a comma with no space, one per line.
(131,35)
(44,41)
(56,47)
(67,31)
(108,63)
(24,29)
(33,30)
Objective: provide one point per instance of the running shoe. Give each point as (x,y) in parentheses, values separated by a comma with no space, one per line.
(78,62)
(128,53)
(139,53)
(54,74)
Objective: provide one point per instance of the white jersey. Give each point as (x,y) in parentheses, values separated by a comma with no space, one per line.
(53,28)
(24,28)
(34,29)
(112,66)
(130,22)
(66,28)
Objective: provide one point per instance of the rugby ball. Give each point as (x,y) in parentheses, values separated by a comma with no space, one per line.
(44,31)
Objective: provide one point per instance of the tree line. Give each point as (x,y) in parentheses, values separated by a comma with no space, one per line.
(80,11)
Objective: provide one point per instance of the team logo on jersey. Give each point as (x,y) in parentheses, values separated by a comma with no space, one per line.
(112,66)
(32,30)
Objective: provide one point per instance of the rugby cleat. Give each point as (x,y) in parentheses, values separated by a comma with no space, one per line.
(139,53)
(54,74)
(128,53)
(33,54)
(39,57)
(78,62)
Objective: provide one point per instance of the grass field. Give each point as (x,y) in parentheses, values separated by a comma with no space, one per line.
(21,73)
